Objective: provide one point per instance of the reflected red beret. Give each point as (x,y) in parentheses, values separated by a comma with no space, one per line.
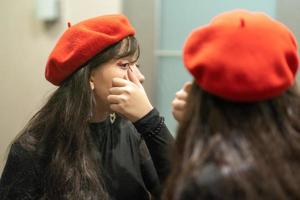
(80,42)
(242,56)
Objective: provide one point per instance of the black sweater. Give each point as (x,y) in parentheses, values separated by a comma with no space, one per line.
(134,156)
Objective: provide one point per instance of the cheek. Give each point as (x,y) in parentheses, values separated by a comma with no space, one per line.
(120,73)
(101,94)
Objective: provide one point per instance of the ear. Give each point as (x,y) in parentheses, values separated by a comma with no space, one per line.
(92,85)
(92,78)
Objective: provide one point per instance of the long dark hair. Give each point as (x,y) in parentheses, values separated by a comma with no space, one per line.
(230,150)
(59,133)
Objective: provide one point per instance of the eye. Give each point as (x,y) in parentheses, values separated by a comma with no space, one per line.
(124,66)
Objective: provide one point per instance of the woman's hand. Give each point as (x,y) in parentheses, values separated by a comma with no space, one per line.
(129,98)
(179,102)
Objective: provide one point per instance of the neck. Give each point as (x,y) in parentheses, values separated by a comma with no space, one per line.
(99,115)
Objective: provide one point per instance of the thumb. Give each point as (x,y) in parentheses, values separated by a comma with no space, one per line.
(132,77)
(187,86)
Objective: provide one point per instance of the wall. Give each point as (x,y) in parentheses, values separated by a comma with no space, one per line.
(25,44)
(288,13)
(141,15)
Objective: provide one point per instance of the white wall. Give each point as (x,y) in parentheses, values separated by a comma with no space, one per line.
(288,13)
(141,15)
(25,44)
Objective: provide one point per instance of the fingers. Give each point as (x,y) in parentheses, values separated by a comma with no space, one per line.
(115,107)
(119,82)
(132,77)
(178,115)
(117,90)
(178,109)
(117,99)
(181,95)
(113,99)
(178,104)
(187,86)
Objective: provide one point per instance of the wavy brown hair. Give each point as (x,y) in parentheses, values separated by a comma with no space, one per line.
(59,133)
(231,150)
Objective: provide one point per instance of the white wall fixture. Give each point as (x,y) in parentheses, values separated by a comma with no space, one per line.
(47,10)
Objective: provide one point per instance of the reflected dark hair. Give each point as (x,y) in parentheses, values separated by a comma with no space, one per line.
(230,150)
(59,133)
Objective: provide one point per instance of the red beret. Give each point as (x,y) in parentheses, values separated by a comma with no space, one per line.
(242,56)
(79,43)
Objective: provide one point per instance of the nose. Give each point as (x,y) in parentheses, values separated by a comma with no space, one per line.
(138,74)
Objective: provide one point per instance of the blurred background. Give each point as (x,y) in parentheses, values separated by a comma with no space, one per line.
(30,28)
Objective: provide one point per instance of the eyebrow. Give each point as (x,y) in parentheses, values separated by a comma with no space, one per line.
(130,60)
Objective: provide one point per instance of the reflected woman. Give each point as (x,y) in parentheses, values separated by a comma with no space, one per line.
(98,136)
(239,133)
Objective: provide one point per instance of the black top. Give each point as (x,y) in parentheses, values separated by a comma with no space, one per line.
(134,156)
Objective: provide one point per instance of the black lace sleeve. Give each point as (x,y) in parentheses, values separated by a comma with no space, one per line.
(158,140)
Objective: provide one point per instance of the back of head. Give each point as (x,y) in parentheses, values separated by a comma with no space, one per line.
(242,56)
(241,135)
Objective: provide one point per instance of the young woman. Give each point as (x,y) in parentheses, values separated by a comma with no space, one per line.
(240,134)
(98,136)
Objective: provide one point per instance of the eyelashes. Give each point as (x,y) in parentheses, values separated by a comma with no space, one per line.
(124,66)
(127,65)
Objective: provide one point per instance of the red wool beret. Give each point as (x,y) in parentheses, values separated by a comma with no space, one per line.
(242,56)
(80,42)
